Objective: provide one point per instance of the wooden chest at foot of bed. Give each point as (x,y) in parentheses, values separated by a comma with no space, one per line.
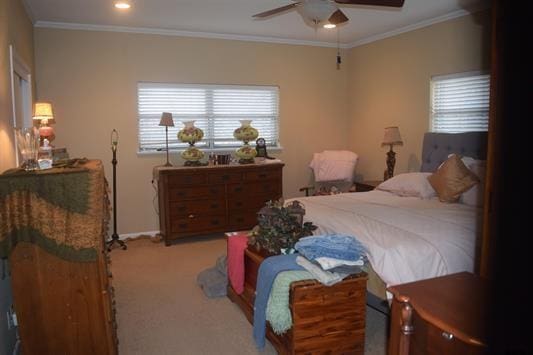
(326,320)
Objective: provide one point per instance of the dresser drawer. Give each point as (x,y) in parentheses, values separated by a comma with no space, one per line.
(194,192)
(187,179)
(266,174)
(224,177)
(209,207)
(197,223)
(272,188)
(254,203)
(238,189)
(242,220)
(430,339)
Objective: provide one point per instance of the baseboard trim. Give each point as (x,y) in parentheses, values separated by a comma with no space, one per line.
(137,234)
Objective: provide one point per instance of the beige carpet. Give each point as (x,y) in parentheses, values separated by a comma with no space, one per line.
(161,310)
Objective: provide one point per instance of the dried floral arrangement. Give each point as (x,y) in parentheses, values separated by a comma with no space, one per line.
(280,227)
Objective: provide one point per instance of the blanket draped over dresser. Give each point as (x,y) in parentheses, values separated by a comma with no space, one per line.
(61,210)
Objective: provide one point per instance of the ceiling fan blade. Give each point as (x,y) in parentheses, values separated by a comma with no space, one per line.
(276,11)
(338,17)
(392,3)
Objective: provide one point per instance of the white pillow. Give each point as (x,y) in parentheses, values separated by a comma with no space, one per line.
(409,184)
(474,196)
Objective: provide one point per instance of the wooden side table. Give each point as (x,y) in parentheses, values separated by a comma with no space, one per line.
(363,186)
(443,315)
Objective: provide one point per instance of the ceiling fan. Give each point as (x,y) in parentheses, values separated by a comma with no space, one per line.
(318,11)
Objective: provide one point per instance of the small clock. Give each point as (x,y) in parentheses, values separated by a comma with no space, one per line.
(260,147)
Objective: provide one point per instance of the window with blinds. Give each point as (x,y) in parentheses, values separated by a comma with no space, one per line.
(216,109)
(460,103)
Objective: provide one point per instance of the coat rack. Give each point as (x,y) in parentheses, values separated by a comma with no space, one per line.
(114,236)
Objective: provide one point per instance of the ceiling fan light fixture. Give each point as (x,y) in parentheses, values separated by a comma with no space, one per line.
(329,26)
(317,10)
(122,5)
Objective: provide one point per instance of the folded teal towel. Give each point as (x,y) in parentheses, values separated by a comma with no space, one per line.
(278,313)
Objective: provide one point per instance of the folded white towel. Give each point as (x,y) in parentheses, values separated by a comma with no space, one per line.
(330,263)
(325,277)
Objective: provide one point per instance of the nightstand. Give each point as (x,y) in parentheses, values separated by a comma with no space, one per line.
(443,315)
(363,186)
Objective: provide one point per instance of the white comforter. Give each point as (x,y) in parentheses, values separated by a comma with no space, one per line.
(407,238)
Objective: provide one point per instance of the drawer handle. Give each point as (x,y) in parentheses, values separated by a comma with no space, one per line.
(182,208)
(238,203)
(238,189)
(225,177)
(181,193)
(191,216)
(213,191)
(215,222)
(182,225)
(214,205)
(240,219)
(263,175)
(447,336)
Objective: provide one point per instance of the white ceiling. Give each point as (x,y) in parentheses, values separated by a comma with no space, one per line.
(233,18)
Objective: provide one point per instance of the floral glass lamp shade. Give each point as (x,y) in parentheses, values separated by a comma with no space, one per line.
(166,121)
(191,134)
(43,113)
(391,138)
(246,133)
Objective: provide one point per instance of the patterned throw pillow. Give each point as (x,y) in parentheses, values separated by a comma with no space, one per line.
(452,179)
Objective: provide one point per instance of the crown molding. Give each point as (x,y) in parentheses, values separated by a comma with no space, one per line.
(262,39)
(415,26)
(29,11)
(179,33)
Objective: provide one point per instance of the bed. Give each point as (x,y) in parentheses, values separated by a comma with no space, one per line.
(408,238)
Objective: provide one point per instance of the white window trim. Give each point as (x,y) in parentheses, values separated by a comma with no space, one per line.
(277,148)
(445,77)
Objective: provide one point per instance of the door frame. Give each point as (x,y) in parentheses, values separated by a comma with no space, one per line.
(19,67)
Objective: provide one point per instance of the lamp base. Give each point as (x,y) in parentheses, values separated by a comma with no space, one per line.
(168,164)
(246,161)
(391,161)
(194,163)
(115,239)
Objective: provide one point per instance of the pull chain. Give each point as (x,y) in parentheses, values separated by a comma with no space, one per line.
(339,61)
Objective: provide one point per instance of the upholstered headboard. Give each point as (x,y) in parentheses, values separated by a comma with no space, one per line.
(437,147)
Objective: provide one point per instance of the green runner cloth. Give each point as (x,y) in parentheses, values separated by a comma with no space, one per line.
(63,210)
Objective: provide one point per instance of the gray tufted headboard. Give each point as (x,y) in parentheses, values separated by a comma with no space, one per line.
(437,147)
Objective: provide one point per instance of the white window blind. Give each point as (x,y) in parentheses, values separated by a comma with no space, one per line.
(216,109)
(460,103)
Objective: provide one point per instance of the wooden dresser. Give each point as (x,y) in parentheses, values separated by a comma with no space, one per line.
(212,199)
(326,319)
(443,315)
(52,230)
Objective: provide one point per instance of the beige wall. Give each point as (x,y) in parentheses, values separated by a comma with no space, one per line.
(91,78)
(389,86)
(16,29)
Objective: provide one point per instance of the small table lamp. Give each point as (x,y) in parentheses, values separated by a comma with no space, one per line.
(391,137)
(43,112)
(166,120)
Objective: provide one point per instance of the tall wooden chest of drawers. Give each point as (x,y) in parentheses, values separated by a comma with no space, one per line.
(212,199)
(52,229)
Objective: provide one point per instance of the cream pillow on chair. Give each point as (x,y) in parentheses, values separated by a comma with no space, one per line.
(452,179)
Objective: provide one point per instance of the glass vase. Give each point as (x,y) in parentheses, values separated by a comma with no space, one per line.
(28,140)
